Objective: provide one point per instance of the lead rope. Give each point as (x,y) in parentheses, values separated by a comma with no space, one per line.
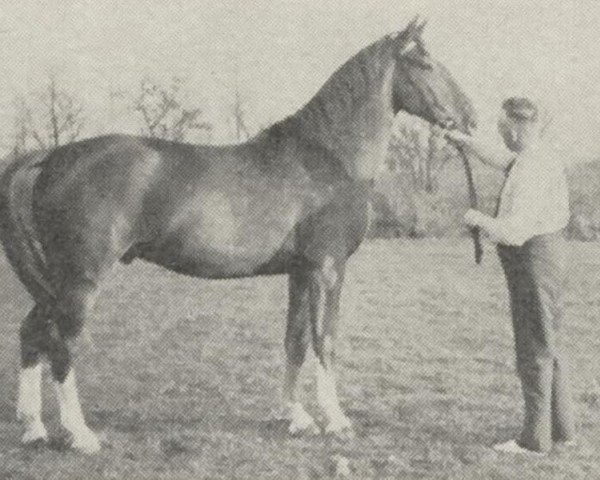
(475,232)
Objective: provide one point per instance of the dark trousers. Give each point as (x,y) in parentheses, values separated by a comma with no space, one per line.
(535,273)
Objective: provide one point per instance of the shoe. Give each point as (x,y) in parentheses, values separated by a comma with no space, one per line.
(513,447)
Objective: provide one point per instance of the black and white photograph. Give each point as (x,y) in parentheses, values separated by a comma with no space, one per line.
(290,239)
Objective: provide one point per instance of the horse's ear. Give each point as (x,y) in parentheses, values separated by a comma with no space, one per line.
(405,37)
(412,24)
(418,33)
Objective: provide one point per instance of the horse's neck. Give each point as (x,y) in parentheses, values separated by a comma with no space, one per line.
(356,130)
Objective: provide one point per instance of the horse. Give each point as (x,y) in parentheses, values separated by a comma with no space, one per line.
(292,200)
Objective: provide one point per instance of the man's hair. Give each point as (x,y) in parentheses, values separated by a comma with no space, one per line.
(520,109)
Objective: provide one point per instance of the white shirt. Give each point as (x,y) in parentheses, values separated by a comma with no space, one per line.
(534,199)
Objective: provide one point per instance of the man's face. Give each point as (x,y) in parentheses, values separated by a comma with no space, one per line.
(518,134)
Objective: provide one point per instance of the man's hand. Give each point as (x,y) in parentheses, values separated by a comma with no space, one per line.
(456,136)
(473,218)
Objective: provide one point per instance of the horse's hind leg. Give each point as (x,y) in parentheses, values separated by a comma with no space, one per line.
(72,307)
(296,344)
(29,402)
(325,290)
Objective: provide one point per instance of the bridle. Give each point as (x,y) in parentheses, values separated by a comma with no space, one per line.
(428,98)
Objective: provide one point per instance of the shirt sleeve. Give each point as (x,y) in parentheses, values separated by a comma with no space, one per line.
(532,201)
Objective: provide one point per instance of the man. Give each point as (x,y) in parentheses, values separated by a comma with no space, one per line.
(532,211)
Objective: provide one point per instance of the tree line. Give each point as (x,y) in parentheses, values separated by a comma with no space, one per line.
(420,191)
(54,115)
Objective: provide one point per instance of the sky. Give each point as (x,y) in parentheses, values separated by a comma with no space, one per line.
(278,53)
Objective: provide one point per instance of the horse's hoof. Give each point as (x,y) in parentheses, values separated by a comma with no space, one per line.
(341,428)
(311,429)
(85,441)
(35,434)
(301,423)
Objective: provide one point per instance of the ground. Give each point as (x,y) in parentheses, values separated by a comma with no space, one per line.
(182,377)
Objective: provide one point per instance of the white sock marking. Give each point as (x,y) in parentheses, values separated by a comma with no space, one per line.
(71,415)
(329,274)
(327,393)
(300,420)
(329,403)
(29,403)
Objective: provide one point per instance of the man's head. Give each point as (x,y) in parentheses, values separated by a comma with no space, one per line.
(519,123)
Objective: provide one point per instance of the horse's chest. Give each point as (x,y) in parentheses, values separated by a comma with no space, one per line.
(337,228)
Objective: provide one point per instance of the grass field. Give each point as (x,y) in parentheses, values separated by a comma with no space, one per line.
(182,377)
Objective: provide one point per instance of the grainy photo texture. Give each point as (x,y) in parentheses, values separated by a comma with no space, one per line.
(297,239)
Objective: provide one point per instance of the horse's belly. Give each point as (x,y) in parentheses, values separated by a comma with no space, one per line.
(235,260)
(221,261)
(222,241)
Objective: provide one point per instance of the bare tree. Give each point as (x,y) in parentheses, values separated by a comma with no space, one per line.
(21,127)
(163,113)
(239,118)
(418,149)
(51,118)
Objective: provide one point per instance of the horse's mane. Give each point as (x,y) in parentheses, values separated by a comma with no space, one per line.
(335,102)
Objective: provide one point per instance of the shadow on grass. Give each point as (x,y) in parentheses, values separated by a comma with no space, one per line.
(267,429)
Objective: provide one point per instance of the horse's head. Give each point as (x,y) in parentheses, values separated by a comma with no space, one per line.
(424,87)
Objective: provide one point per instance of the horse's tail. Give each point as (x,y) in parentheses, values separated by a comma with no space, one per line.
(17,229)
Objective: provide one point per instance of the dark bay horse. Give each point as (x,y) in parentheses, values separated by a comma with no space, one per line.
(293,200)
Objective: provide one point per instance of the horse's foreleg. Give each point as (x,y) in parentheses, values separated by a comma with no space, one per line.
(71,310)
(296,343)
(29,402)
(325,290)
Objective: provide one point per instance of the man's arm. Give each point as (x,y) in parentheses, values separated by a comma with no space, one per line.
(494,155)
(532,198)
(513,230)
